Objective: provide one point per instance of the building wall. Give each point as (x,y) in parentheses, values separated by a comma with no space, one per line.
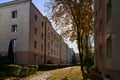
(6,22)
(23,26)
(63,52)
(48,40)
(111,65)
(114,22)
(37,36)
(99,34)
(52,44)
(69,55)
(33,28)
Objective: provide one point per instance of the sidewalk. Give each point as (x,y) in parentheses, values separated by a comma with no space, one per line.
(42,76)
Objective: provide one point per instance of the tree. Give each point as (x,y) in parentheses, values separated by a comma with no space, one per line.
(11,53)
(75,20)
(88,60)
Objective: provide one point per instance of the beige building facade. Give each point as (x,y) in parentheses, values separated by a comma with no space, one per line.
(107,38)
(34,39)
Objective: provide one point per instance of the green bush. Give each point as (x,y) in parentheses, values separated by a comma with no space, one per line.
(45,67)
(13,70)
(64,65)
(32,68)
(93,76)
(24,71)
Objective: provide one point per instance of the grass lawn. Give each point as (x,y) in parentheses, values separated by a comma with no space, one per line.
(71,73)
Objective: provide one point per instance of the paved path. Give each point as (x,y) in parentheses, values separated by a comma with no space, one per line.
(42,76)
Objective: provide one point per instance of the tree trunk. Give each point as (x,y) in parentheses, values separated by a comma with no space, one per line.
(80,52)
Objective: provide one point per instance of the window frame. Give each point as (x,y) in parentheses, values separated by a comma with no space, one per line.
(14,42)
(109,46)
(108,10)
(35,44)
(35,18)
(14,28)
(14,14)
(42,47)
(36,31)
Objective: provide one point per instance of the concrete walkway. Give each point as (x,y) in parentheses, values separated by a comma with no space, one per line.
(42,76)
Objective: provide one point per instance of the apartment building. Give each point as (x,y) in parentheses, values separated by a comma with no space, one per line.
(52,44)
(34,39)
(70,53)
(107,37)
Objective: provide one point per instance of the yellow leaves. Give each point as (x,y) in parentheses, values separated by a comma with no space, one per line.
(68,15)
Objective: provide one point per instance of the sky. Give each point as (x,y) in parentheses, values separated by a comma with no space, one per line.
(40,4)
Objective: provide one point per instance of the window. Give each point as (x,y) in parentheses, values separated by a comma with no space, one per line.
(54,52)
(108,10)
(42,36)
(41,57)
(42,24)
(35,44)
(51,51)
(48,53)
(35,57)
(14,14)
(15,57)
(14,28)
(109,46)
(14,41)
(36,18)
(41,47)
(48,45)
(48,35)
(36,31)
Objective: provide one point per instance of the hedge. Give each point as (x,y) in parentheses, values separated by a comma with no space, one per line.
(32,68)
(13,70)
(44,67)
(24,72)
(20,71)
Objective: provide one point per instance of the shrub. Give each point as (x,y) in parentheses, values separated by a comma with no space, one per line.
(13,70)
(64,65)
(93,69)
(24,71)
(4,60)
(48,67)
(93,76)
(32,68)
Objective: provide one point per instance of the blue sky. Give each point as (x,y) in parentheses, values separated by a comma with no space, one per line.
(40,5)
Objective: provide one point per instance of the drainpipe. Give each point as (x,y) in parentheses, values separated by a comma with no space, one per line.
(45,46)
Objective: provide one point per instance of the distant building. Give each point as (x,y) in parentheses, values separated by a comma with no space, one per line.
(107,56)
(70,53)
(34,39)
(77,58)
